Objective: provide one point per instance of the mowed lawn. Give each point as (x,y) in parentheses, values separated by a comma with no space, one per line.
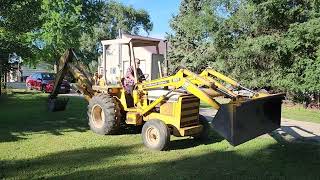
(37,144)
(301,114)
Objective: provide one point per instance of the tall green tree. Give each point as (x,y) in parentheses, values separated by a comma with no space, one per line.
(112,17)
(41,30)
(82,24)
(269,43)
(193,28)
(18,19)
(15,33)
(64,23)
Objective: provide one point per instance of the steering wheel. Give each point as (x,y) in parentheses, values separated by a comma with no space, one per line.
(143,77)
(146,76)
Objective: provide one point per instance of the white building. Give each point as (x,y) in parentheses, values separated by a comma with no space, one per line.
(118,58)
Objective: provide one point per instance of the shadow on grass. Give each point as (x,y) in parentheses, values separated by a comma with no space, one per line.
(190,142)
(25,92)
(276,161)
(22,114)
(294,134)
(67,159)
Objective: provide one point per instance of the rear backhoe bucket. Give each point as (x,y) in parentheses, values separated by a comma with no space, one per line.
(239,123)
(57,104)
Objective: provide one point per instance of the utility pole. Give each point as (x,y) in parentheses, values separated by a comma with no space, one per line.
(120,55)
(166,62)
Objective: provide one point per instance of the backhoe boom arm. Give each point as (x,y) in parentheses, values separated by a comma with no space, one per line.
(78,72)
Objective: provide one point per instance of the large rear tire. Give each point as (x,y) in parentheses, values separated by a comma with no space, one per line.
(155,135)
(104,114)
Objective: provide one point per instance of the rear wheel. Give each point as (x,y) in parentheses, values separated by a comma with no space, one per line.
(155,135)
(104,114)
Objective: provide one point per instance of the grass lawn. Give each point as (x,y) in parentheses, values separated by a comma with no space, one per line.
(37,144)
(301,114)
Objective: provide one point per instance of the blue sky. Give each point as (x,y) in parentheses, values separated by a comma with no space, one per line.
(160,11)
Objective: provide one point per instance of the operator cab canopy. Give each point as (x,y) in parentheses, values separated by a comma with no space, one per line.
(119,53)
(137,41)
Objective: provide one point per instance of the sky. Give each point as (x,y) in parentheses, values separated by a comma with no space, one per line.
(160,12)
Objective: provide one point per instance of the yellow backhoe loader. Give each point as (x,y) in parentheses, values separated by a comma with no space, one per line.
(169,105)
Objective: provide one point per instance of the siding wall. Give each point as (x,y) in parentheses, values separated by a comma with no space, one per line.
(116,70)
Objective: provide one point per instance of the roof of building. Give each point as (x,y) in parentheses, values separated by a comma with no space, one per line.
(141,37)
(137,41)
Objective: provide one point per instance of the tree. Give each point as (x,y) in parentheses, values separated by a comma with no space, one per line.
(192,34)
(15,33)
(55,25)
(82,24)
(112,17)
(272,43)
(62,28)
(41,30)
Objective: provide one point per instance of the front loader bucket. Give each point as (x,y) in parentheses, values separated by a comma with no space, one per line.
(239,123)
(55,104)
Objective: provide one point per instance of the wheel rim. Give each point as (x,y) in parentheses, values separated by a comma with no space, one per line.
(97,116)
(152,136)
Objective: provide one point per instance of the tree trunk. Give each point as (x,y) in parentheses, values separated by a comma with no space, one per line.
(5,81)
(55,68)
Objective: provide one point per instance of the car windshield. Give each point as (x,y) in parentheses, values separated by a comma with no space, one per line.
(47,76)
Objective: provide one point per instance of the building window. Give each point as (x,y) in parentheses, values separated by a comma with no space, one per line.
(113,70)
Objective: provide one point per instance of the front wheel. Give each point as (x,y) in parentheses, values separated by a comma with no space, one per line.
(155,135)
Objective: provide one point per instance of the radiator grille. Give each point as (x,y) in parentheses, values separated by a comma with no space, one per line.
(189,111)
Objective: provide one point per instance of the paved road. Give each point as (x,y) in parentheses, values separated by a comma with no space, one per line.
(299,130)
(22,85)
(291,130)
(16,85)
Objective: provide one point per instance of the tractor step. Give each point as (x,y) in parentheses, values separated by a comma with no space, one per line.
(188,131)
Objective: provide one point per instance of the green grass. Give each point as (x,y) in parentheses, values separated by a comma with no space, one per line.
(37,144)
(301,114)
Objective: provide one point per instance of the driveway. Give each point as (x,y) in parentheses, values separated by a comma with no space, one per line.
(16,85)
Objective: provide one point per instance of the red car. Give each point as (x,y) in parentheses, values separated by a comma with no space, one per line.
(43,81)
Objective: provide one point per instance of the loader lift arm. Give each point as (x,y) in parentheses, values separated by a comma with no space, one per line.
(84,80)
(192,82)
